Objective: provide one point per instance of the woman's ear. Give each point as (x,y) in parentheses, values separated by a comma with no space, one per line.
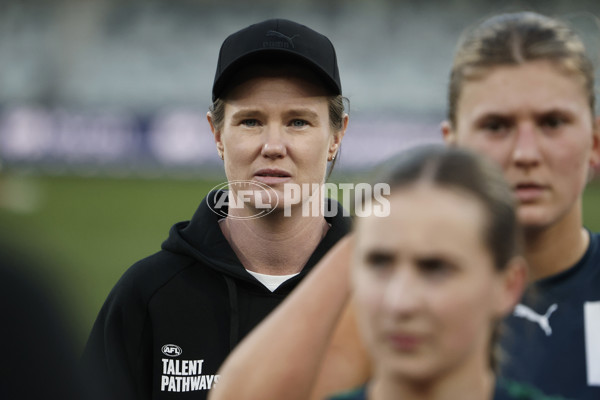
(216,134)
(511,286)
(448,134)
(336,138)
(595,156)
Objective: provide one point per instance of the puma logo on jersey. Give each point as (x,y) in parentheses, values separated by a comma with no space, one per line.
(542,320)
(289,40)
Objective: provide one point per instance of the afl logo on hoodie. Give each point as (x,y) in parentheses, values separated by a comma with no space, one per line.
(171,350)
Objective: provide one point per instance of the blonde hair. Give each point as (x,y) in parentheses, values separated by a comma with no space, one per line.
(513,39)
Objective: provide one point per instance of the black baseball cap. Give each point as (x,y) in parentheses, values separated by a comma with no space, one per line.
(277,40)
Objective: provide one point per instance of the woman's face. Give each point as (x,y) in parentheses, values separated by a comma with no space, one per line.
(535,121)
(425,285)
(276,131)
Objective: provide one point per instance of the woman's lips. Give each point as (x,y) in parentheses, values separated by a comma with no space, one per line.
(272,176)
(529,192)
(405,342)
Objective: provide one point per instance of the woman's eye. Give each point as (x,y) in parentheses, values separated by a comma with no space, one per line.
(379,260)
(552,121)
(298,123)
(496,126)
(250,123)
(435,268)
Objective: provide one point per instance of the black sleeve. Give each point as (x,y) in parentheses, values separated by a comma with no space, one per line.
(117,353)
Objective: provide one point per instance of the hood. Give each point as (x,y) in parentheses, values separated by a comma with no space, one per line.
(201,239)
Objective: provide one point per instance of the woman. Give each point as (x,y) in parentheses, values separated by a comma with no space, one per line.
(278,119)
(432,280)
(521,93)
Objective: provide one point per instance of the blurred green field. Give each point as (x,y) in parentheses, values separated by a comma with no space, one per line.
(87,231)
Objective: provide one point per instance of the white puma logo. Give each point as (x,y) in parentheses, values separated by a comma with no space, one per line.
(542,320)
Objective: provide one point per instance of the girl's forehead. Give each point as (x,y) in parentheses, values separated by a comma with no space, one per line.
(535,70)
(539,85)
(424,210)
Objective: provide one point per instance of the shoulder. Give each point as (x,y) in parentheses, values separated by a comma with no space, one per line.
(591,260)
(507,389)
(355,394)
(145,277)
(160,266)
(595,245)
(125,311)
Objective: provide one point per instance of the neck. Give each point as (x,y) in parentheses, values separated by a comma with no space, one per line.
(556,248)
(275,244)
(475,382)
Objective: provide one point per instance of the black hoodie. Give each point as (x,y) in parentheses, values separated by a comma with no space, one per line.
(173,317)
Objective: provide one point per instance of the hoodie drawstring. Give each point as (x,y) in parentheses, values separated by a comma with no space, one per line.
(234,329)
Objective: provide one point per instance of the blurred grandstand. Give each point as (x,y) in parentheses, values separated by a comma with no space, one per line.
(123,87)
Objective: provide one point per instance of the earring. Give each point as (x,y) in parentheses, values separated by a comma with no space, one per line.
(331,157)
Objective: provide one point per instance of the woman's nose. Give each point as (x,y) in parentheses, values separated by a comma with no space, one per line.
(273,145)
(526,152)
(401,295)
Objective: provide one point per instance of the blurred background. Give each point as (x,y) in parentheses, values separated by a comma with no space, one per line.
(103,137)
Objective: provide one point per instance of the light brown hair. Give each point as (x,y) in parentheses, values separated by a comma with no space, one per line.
(513,39)
(475,175)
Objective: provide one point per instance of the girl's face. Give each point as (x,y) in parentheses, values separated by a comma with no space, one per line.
(425,285)
(535,121)
(276,131)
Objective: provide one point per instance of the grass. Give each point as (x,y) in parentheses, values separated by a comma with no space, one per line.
(85,232)
(591,206)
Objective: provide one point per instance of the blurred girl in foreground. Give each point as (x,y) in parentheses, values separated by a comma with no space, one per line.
(432,281)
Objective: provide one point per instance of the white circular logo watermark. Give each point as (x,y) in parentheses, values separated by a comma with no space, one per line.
(254,199)
(234,195)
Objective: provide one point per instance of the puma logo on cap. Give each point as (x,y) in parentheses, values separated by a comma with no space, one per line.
(289,40)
